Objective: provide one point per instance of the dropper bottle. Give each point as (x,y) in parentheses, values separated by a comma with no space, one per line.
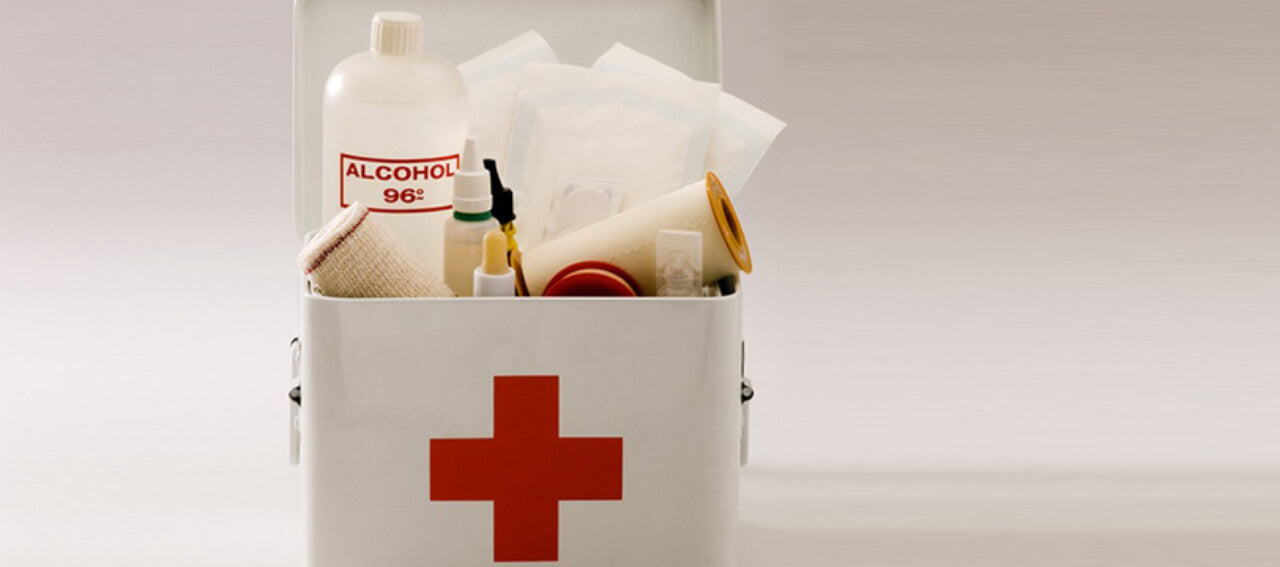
(472,218)
(494,278)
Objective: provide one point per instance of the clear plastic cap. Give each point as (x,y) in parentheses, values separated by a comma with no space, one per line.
(396,33)
(679,263)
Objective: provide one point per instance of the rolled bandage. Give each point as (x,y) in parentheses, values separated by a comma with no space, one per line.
(628,240)
(354,256)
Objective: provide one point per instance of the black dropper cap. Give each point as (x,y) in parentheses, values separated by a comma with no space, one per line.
(503,209)
(495,182)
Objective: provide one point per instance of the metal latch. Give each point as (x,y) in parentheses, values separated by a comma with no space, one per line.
(295,402)
(747,394)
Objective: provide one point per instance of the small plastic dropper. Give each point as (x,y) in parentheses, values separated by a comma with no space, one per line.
(503,205)
(494,278)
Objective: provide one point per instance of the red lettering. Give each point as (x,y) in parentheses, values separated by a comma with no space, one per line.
(400,170)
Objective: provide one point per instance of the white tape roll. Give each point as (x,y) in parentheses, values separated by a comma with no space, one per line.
(628,240)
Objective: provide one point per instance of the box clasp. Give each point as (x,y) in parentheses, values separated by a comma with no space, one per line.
(295,401)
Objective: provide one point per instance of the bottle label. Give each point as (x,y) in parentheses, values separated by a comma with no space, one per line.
(419,185)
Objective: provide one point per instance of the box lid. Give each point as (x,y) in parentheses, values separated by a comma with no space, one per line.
(682,33)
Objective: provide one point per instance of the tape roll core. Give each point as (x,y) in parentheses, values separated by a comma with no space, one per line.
(727,220)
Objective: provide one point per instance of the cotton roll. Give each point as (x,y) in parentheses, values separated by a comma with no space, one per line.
(628,240)
(354,256)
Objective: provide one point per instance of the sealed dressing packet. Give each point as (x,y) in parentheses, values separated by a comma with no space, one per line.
(493,78)
(578,130)
(679,263)
(741,133)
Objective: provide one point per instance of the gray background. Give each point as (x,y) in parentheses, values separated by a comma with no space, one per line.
(1001,244)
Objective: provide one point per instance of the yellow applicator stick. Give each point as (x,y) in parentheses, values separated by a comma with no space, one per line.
(494,278)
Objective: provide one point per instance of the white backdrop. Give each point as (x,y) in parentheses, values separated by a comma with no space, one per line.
(997,236)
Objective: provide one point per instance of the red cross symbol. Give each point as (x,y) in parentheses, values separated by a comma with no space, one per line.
(527,468)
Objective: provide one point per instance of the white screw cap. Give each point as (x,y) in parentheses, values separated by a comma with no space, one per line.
(396,33)
(471,184)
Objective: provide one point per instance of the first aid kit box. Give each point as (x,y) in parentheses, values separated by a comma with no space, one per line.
(480,431)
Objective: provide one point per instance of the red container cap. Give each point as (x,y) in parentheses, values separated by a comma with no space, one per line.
(591,279)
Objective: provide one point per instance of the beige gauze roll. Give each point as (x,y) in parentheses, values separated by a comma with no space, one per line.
(628,240)
(354,256)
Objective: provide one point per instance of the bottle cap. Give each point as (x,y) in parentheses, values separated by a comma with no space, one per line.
(396,33)
(590,282)
(679,263)
(471,184)
(590,278)
(495,182)
(493,278)
(503,205)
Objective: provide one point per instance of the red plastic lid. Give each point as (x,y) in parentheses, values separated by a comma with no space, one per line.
(591,279)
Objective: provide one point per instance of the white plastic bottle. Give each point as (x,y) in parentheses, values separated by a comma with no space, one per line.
(465,229)
(394,123)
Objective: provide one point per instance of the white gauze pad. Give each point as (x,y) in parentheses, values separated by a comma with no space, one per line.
(575,127)
(493,78)
(741,134)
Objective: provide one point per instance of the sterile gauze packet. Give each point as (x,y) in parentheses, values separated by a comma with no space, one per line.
(578,131)
(741,133)
(492,78)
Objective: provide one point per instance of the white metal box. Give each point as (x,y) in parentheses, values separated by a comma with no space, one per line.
(585,431)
